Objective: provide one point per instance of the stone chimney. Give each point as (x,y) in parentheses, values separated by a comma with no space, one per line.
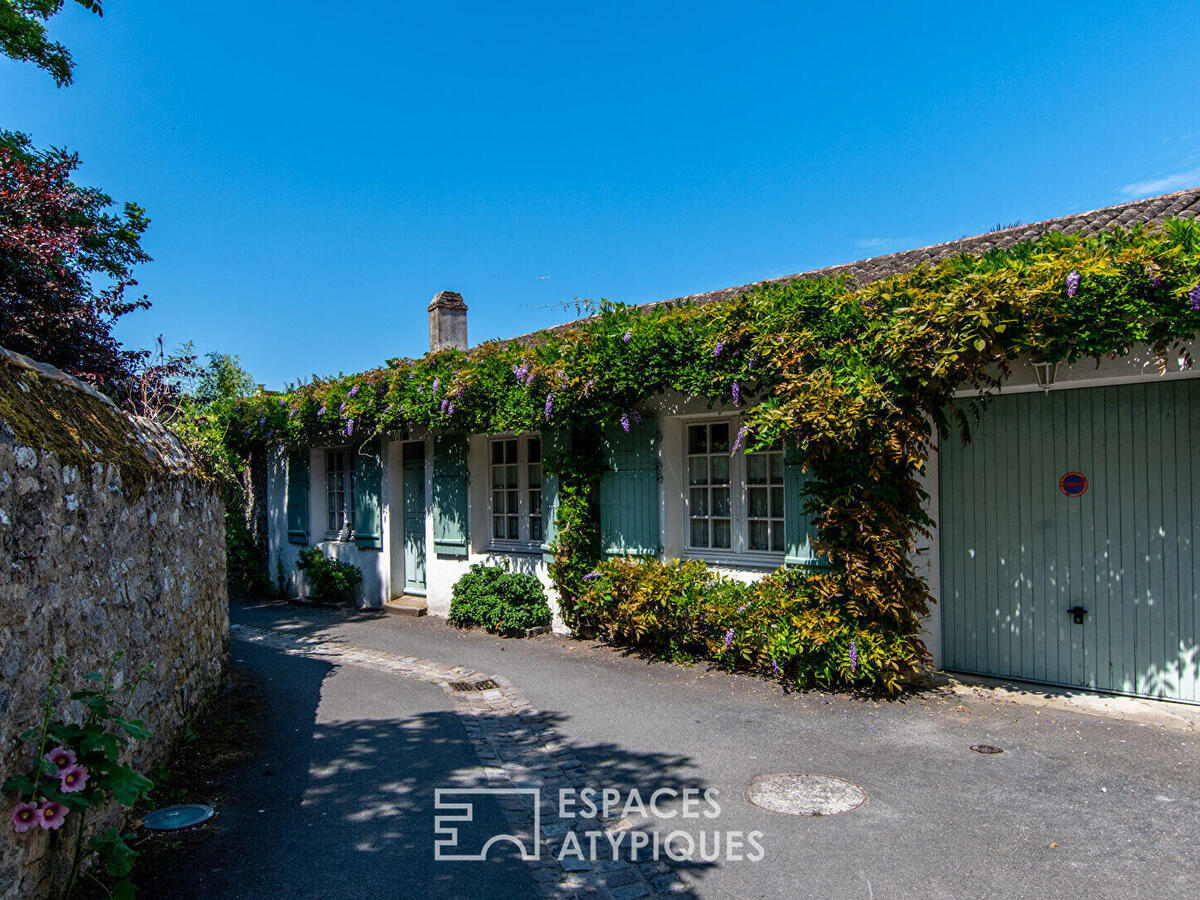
(447,321)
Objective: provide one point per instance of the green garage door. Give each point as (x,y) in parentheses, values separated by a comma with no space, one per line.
(1073,500)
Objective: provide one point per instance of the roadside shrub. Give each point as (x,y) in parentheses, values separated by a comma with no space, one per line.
(329,580)
(682,610)
(503,602)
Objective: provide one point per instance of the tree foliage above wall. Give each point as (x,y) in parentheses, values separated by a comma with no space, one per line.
(859,375)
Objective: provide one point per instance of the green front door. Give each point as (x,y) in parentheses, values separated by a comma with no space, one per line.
(1069,529)
(413,471)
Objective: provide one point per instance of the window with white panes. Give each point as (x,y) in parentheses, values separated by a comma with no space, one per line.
(516,483)
(339,492)
(734,499)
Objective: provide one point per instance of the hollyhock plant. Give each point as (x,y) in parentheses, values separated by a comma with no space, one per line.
(25,816)
(61,758)
(73,779)
(51,815)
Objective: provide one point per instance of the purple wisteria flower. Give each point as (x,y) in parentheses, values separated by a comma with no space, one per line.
(741,609)
(853,656)
(321,411)
(262,421)
(436,382)
(717,349)
(450,410)
(342,409)
(753,361)
(637,419)
(349,428)
(445,404)
(549,405)
(1194,297)
(774,667)
(728,638)
(625,422)
(741,438)
(1072,283)
(520,371)
(591,383)
(353,391)
(591,576)
(627,337)
(736,390)
(282,402)
(295,412)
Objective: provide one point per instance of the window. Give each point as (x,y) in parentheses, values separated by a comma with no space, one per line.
(339,492)
(734,500)
(516,481)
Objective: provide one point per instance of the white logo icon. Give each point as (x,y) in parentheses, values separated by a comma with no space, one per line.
(463,810)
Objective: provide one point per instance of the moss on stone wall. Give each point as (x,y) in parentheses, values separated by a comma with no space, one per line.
(43,409)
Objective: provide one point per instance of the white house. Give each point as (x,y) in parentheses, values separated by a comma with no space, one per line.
(1066,551)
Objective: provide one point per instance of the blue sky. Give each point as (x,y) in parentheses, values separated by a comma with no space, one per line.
(314,178)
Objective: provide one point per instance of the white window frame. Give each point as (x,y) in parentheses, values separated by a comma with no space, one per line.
(739,552)
(347,525)
(524,542)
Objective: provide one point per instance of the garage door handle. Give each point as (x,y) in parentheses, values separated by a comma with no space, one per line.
(1077,614)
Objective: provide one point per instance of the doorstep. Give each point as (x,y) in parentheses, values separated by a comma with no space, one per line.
(407,605)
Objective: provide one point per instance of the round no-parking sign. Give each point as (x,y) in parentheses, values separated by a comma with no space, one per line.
(1073,484)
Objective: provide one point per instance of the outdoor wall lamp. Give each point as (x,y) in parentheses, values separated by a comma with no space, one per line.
(1045,372)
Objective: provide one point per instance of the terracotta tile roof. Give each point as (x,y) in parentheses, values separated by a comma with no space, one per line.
(1184,204)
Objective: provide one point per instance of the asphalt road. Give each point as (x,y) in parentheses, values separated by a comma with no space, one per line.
(1075,805)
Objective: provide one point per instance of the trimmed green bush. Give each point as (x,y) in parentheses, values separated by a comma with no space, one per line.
(682,610)
(503,602)
(329,580)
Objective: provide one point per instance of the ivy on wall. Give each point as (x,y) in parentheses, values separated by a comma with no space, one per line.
(860,375)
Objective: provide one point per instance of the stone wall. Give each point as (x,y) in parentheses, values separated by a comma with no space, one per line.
(111,538)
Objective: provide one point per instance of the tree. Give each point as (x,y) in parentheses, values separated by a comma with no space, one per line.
(23,36)
(66,262)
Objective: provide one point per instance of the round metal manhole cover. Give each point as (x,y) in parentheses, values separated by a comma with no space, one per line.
(805,795)
(172,818)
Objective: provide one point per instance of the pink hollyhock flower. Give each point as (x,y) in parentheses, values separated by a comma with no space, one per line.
(51,815)
(24,817)
(61,758)
(73,778)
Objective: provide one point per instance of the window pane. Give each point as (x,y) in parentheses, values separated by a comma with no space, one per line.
(699,502)
(777,536)
(699,532)
(498,527)
(757,502)
(535,528)
(776,468)
(497,452)
(534,449)
(720,437)
(535,475)
(510,451)
(720,501)
(756,468)
(510,476)
(720,533)
(512,502)
(513,534)
(697,439)
(759,538)
(498,503)
(720,468)
(697,470)
(776,503)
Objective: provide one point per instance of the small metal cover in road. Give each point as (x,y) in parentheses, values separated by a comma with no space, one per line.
(805,795)
(171,818)
(485,685)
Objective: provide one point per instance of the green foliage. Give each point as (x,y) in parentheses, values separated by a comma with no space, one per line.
(329,580)
(859,376)
(503,602)
(91,752)
(23,36)
(778,626)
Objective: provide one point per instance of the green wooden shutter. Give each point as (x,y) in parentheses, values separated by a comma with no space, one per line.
(798,529)
(450,516)
(297,497)
(629,491)
(368,503)
(556,445)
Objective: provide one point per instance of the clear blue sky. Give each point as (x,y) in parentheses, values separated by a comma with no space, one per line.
(316,173)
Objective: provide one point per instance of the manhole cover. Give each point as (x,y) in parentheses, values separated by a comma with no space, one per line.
(485,685)
(170,818)
(805,795)
(986,749)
